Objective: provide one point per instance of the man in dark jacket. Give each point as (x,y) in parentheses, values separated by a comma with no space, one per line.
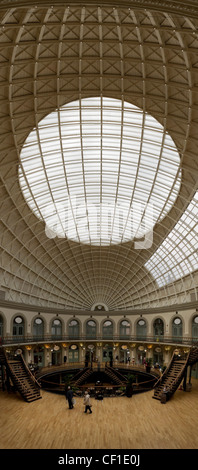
(69,397)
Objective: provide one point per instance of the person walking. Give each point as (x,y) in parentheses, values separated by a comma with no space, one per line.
(87,402)
(69,397)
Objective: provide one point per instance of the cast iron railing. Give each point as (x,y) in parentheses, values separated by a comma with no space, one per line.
(35,339)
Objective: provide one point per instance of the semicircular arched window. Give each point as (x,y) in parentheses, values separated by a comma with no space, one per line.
(177,328)
(141,329)
(107,329)
(74,329)
(38,329)
(124,329)
(18,326)
(195,328)
(56,328)
(158,328)
(91,329)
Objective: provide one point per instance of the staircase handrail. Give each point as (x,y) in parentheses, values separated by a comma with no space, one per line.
(165,372)
(83,376)
(117,373)
(177,379)
(193,361)
(17,379)
(175,383)
(112,374)
(75,378)
(29,371)
(64,367)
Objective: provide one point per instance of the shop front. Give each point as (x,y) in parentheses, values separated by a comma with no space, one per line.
(73,353)
(107,353)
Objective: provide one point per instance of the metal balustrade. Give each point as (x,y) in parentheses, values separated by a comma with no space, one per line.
(32,339)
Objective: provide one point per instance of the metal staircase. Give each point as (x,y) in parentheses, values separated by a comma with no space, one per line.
(175,373)
(21,377)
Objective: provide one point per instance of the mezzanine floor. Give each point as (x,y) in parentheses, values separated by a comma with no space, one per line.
(139,422)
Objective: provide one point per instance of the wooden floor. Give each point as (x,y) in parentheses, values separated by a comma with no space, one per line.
(139,422)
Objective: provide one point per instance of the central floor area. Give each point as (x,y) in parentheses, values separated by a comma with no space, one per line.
(139,422)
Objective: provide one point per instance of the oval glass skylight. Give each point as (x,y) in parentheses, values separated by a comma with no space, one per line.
(99,171)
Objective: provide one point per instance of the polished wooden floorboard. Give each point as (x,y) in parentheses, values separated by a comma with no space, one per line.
(139,422)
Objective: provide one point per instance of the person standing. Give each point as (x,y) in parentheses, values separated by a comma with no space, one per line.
(69,397)
(87,402)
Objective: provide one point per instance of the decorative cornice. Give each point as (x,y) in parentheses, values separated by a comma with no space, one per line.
(189,8)
(61,311)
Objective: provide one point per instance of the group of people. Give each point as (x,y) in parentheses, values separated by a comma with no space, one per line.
(86,401)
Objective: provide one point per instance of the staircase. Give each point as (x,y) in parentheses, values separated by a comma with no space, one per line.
(174,373)
(22,378)
(193,356)
(82,377)
(116,377)
(79,374)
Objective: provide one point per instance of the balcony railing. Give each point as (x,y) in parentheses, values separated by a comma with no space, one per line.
(32,339)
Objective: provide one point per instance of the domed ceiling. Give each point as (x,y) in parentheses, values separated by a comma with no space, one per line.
(99,103)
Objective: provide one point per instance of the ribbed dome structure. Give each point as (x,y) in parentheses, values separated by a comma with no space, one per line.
(141,53)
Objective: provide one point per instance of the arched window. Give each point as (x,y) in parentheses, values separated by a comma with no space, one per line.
(107,329)
(73,329)
(18,327)
(91,329)
(56,328)
(141,329)
(38,329)
(158,328)
(1,326)
(195,328)
(124,329)
(177,328)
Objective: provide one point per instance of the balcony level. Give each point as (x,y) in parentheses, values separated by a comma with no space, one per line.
(14,340)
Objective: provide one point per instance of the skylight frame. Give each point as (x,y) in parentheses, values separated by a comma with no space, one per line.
(119,168)
(177,256)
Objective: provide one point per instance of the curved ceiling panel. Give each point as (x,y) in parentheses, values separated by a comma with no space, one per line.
(52,55)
